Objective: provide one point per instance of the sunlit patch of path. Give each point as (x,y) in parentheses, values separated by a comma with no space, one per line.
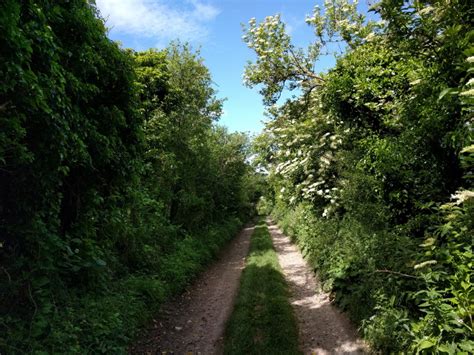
(323,329)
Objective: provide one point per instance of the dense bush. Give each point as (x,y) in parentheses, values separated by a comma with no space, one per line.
(116,184)
(371,167)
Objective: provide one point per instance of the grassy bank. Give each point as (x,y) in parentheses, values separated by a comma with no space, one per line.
(263,320)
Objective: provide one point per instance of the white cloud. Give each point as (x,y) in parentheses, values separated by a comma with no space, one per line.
(204,11)
(158,19)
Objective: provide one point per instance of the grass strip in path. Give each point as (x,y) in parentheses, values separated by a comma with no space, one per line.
(263,321)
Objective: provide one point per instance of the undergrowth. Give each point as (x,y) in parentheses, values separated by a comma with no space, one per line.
(105,321)
(372,274)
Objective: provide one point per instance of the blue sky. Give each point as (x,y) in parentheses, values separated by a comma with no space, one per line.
(215,27)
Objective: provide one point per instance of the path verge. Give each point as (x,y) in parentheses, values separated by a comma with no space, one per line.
(195,321)
(263,320)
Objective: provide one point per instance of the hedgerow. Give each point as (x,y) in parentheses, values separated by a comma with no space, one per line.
(370,168)
(116,184)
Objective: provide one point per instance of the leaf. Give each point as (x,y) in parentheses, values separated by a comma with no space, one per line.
(468,149)
(425,344)
(448,91)
(42,281)
(445,349)
(467,346)
(100,262)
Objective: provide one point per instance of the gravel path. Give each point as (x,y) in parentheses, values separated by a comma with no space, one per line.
(322,328)
(195,321)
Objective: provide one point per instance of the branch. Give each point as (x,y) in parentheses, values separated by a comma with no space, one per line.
(8,275)
(396,273)
(303,69)
(3,106)
(6,171)
(36,307)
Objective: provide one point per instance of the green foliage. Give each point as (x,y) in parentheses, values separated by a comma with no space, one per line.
(362,167)
(447,296)
(196,168)
(116,184)
(70,138)
(262,321)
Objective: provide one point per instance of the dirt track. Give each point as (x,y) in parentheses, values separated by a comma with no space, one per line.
(323,329)
(195,321)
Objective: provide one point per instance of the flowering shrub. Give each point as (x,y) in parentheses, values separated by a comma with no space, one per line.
(371,167)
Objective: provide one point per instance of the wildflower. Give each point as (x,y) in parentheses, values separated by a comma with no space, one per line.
(462,196)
